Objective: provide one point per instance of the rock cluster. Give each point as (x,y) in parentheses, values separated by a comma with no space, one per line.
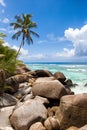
(40,100)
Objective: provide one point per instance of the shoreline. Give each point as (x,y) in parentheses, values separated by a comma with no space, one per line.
(78,63)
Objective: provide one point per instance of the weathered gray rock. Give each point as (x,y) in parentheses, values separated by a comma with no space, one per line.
(4,118)
(72,111)
(28,113)
(22,91)
(28,96)
(20,78)
(49,89)
(84,127)
(14,82)
(7,100)
(42,100)
(51,124)
(37,126)
(45,79)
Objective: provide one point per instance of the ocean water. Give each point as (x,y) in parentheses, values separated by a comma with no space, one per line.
(77,72)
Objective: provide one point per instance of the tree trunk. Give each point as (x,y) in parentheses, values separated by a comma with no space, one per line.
(19,48)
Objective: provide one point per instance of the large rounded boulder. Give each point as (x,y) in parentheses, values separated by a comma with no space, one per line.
(72,111)
(7,100)
(27,113)
(52,89)
(14,81)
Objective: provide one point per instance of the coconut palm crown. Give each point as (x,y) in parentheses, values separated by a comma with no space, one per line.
(23,27)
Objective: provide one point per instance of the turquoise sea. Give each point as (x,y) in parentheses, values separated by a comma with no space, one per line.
(77,72)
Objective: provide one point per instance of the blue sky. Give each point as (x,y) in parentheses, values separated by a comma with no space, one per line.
(62,26)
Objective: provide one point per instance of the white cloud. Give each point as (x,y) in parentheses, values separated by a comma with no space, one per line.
(8,30)
(78,37)
(5,20)
(25,55)
(2,3)
(66,53)
(22,51)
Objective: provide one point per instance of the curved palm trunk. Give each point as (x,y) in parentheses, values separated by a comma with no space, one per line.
(20,46)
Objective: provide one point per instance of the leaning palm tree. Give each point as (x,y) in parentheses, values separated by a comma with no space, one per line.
(24,26)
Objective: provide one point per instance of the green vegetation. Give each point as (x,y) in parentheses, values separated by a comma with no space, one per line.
(7,58)
(7,62)
(24,26)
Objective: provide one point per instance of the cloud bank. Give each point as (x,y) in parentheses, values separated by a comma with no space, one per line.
(78,37)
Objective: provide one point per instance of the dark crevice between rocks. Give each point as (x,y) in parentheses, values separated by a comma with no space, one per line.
(52,102)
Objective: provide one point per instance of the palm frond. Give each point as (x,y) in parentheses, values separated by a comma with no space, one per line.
(16,35)
(34,33)
(29,40)
(16,25)
(19,19)
(31,25)
(28,37)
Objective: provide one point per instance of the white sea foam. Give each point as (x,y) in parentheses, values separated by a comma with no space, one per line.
(77,70)
(79,89)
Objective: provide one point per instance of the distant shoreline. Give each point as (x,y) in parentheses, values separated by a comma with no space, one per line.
(78,63)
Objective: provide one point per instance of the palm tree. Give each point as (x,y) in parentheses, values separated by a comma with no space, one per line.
(24,26)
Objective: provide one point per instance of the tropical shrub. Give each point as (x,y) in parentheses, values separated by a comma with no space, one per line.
(8,62)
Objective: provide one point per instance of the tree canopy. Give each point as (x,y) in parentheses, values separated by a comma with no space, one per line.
(24,26)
